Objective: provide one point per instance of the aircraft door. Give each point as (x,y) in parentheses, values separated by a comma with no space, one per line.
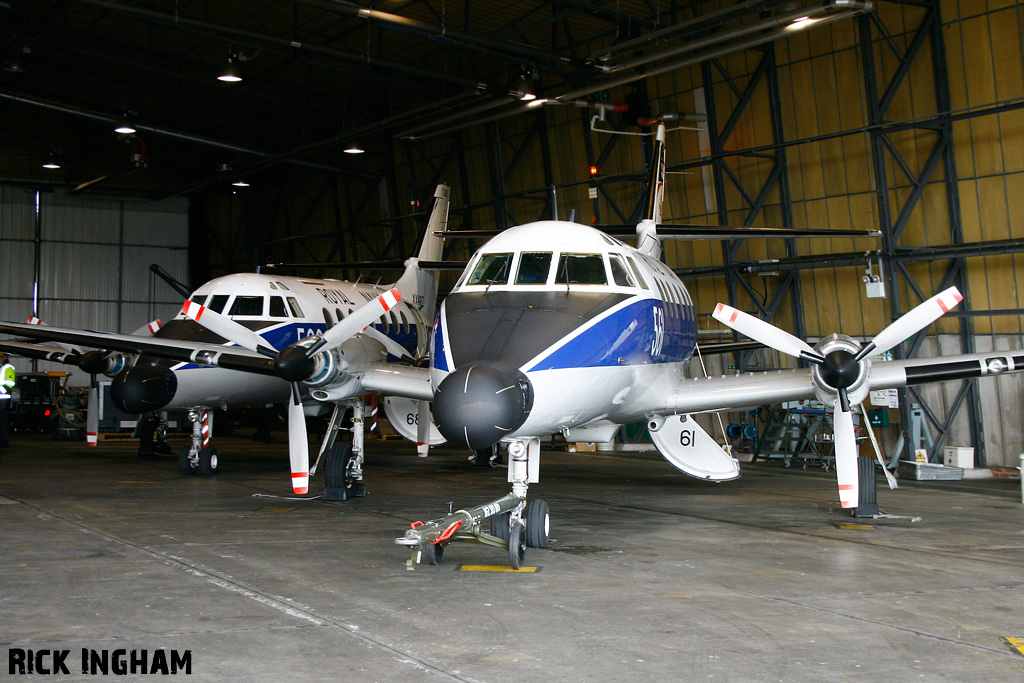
(690,449)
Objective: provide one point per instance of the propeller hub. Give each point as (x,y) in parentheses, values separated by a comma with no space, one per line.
(293,365)
(840,370)
(479,404)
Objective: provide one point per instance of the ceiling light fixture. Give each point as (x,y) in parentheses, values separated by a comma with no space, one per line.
(125,126)
(230,73)
(240,183)
(354,148)
(800,23)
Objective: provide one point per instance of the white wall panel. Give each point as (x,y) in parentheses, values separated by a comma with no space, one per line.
(17,214)
(79,271)
(17,261)
(79,221)
(163,223)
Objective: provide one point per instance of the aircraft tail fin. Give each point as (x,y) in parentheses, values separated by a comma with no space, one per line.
(418,286)
(648,241)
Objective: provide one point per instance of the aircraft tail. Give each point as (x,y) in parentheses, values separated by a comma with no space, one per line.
(648,241)
(418,286)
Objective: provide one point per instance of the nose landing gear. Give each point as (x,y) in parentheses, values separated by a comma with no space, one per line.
(199,455)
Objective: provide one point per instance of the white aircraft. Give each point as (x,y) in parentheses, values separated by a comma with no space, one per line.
(559,328)
(322,341)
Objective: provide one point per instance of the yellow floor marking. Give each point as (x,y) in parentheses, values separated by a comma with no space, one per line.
(1016,643)
(858,527)
(496,568)
(278,510)
(682,596)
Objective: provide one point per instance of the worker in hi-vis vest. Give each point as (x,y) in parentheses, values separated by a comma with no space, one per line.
(6,389)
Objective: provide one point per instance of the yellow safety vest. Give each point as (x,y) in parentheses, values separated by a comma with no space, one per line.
(7,383)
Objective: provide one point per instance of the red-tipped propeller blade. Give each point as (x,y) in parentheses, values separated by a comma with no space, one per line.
(226,327)
(298,445)
(912,322)
(846,457)
(764,332)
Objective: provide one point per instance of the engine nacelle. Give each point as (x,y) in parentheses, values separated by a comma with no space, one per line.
(109,363)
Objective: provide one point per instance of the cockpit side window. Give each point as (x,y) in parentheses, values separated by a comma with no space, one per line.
(247,305)
(533,268)
(581,269)
(277,309)
(217,302)
(293,305)
(636,271)
(491,269)
(620,274)
(200,299)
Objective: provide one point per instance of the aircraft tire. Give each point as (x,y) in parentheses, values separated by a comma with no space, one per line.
(499,525)
(184,464)
(517,545)
(336,462)
(538,522)
(208,461)
(433,554)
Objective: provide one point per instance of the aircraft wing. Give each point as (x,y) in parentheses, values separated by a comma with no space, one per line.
(229,357)
(733,392)
(40,351)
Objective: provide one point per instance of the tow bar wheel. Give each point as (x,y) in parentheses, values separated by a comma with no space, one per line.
(517,545)
(433,554)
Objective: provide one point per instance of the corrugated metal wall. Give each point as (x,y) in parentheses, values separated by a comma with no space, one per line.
(94,257)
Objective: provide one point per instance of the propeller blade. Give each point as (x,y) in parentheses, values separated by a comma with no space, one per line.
(846,457)
(423,428)
(298,446)
(92,415)
(393,347)
(352,325)
(766,333)
(912,322)
(227,328)
(149,329)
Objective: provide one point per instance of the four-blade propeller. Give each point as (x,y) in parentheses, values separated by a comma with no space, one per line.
(295,363)
(842,369)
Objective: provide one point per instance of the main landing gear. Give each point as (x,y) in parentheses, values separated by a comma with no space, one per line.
(514,523)
(199,455)
(343,464)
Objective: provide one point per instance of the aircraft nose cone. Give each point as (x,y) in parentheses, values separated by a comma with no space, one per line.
(478,404)
(143,388)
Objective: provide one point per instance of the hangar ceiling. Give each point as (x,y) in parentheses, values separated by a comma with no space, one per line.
(317,76)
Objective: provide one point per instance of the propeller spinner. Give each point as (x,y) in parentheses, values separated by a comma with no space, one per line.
(295,363)
(841,369)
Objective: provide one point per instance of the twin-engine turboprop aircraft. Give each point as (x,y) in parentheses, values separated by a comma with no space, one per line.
(556,328)
(296,340)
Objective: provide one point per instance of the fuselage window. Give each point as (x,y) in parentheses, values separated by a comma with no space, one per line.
(533,268)
(247,305)
(217,302)
(620,275)
(328,320)
(581,269)
(293,306)
(277,309)
(636,271)
(201,299)
(491,269)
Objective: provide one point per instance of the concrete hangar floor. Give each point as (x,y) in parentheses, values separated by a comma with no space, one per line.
(650,575)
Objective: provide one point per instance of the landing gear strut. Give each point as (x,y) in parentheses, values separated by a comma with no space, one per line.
(508,528)
(343,464)
(200,455)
